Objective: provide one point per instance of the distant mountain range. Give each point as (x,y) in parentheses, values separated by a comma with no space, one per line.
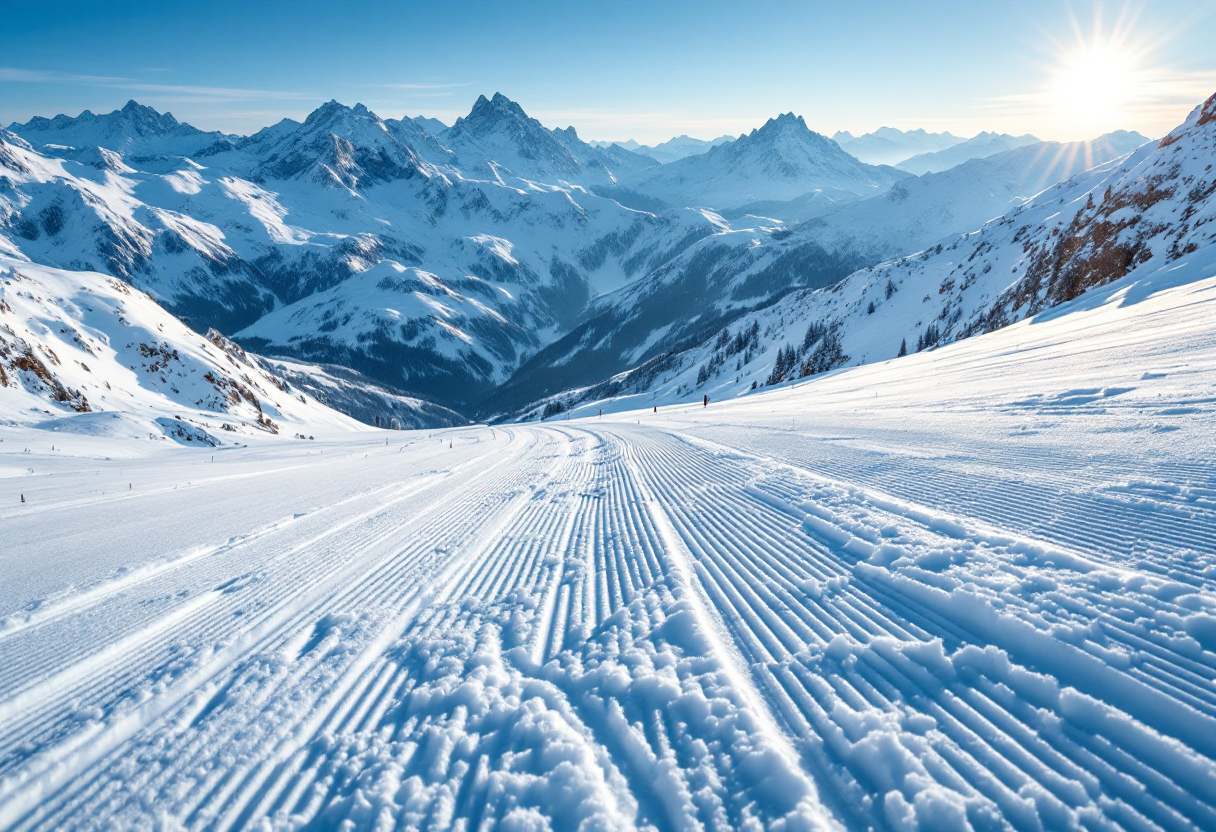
(774,163)
(1137,213)
(671,150)
(889,146)
(977,147)
(411,269)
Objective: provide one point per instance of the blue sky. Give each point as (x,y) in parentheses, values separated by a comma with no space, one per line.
(622,69)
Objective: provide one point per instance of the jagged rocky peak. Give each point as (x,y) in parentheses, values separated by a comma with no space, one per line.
(500,117)
(332,114)
(787,125)
(498,128)
(493,110)
(340,146)
(147,121)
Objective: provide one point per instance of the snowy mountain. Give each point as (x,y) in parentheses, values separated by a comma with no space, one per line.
(440,267)
(431,125)
(82,352)
(680,304)
(977,147)
(742,267)
(497,138)
(338,146)
(263,223)
(1142,219)
(889,146)
(134,130)
(777,163)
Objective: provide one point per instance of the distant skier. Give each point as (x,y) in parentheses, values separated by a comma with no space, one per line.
(705,400)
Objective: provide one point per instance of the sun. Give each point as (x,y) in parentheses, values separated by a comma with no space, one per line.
(1093,85)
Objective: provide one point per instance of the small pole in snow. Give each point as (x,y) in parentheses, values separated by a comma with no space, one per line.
(130,487)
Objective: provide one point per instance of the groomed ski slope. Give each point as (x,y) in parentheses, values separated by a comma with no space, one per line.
(971,588)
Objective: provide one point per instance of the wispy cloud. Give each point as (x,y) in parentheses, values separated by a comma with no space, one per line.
(47,76)
(43,76)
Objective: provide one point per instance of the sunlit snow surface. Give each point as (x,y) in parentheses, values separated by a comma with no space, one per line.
(975,587)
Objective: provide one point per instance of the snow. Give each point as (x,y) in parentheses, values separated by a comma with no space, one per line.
(252,226)
(1144,218)
(83,353)
(970,588)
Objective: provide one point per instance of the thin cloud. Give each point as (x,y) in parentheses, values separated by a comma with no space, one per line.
(50,76)
(211,94)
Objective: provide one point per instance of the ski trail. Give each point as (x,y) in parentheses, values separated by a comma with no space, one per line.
(679,558)
(120,730)
(626,626)
(778,628)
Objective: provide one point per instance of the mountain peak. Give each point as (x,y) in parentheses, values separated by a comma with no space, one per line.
(786,120)
(328,111)
(495,109)
(500,116)
(146,120)
(786,124)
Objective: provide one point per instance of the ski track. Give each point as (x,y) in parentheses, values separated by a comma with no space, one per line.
(675,625)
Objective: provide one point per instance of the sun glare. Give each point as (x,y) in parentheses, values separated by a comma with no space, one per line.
(1093,85)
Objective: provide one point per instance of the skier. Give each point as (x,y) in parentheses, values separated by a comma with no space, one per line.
(705,400)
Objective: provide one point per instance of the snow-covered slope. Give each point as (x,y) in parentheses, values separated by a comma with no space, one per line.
(356,395)
(82,352)
(889,146)
(779,162)
(977,147)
